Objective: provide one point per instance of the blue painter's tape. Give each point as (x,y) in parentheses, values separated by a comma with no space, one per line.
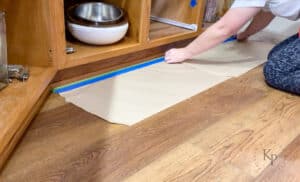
(116,73)
(106,76)
(231,39)
(193,3)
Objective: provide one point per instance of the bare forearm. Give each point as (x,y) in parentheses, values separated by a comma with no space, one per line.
(259,22)
(210,38)
(228,25)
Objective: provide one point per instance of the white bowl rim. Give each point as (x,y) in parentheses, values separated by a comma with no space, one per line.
(124,24)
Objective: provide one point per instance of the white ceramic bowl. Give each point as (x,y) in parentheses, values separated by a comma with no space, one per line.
(101,35)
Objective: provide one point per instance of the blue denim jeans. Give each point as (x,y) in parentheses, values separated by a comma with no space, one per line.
(282,70)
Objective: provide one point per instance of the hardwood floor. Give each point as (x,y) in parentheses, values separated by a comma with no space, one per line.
(240,130)
(287,166)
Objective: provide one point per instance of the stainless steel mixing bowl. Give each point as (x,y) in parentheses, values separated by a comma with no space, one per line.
(97,23)
(97,12)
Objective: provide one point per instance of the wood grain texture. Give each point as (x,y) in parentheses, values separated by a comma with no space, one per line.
(166,9)
(236,150)
(216,135)
(56,24)
(18,104)
(200,16)
(160,33)
(286,166)
(54,138)
(28,36)
(87,53)
(31,43)
(187,162)
(161,30)
(145,22)
(52,102)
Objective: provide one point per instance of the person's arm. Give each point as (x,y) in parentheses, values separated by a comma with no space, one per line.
(259,22)
(228,25)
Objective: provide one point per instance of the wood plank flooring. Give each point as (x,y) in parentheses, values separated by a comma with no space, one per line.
(231,132)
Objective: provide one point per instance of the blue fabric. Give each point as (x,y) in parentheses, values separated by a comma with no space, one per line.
(282,70)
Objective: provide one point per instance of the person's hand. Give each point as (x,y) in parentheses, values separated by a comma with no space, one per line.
(177,55)
(243,36)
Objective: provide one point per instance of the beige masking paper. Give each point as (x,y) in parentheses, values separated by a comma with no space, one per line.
(134,96)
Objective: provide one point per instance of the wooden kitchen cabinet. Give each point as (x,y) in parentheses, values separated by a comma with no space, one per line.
(135,9)
(179,10)
(37,38)
(142,34)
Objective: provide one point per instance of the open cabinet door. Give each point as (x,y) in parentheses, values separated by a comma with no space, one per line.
(29,43)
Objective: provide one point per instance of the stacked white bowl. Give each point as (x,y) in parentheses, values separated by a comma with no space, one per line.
(97,23)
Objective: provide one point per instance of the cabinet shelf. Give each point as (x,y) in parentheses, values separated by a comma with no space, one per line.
(88,53)
(164,31)
(180,11)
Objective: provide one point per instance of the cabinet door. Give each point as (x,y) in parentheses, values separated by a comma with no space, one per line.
(29,43)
